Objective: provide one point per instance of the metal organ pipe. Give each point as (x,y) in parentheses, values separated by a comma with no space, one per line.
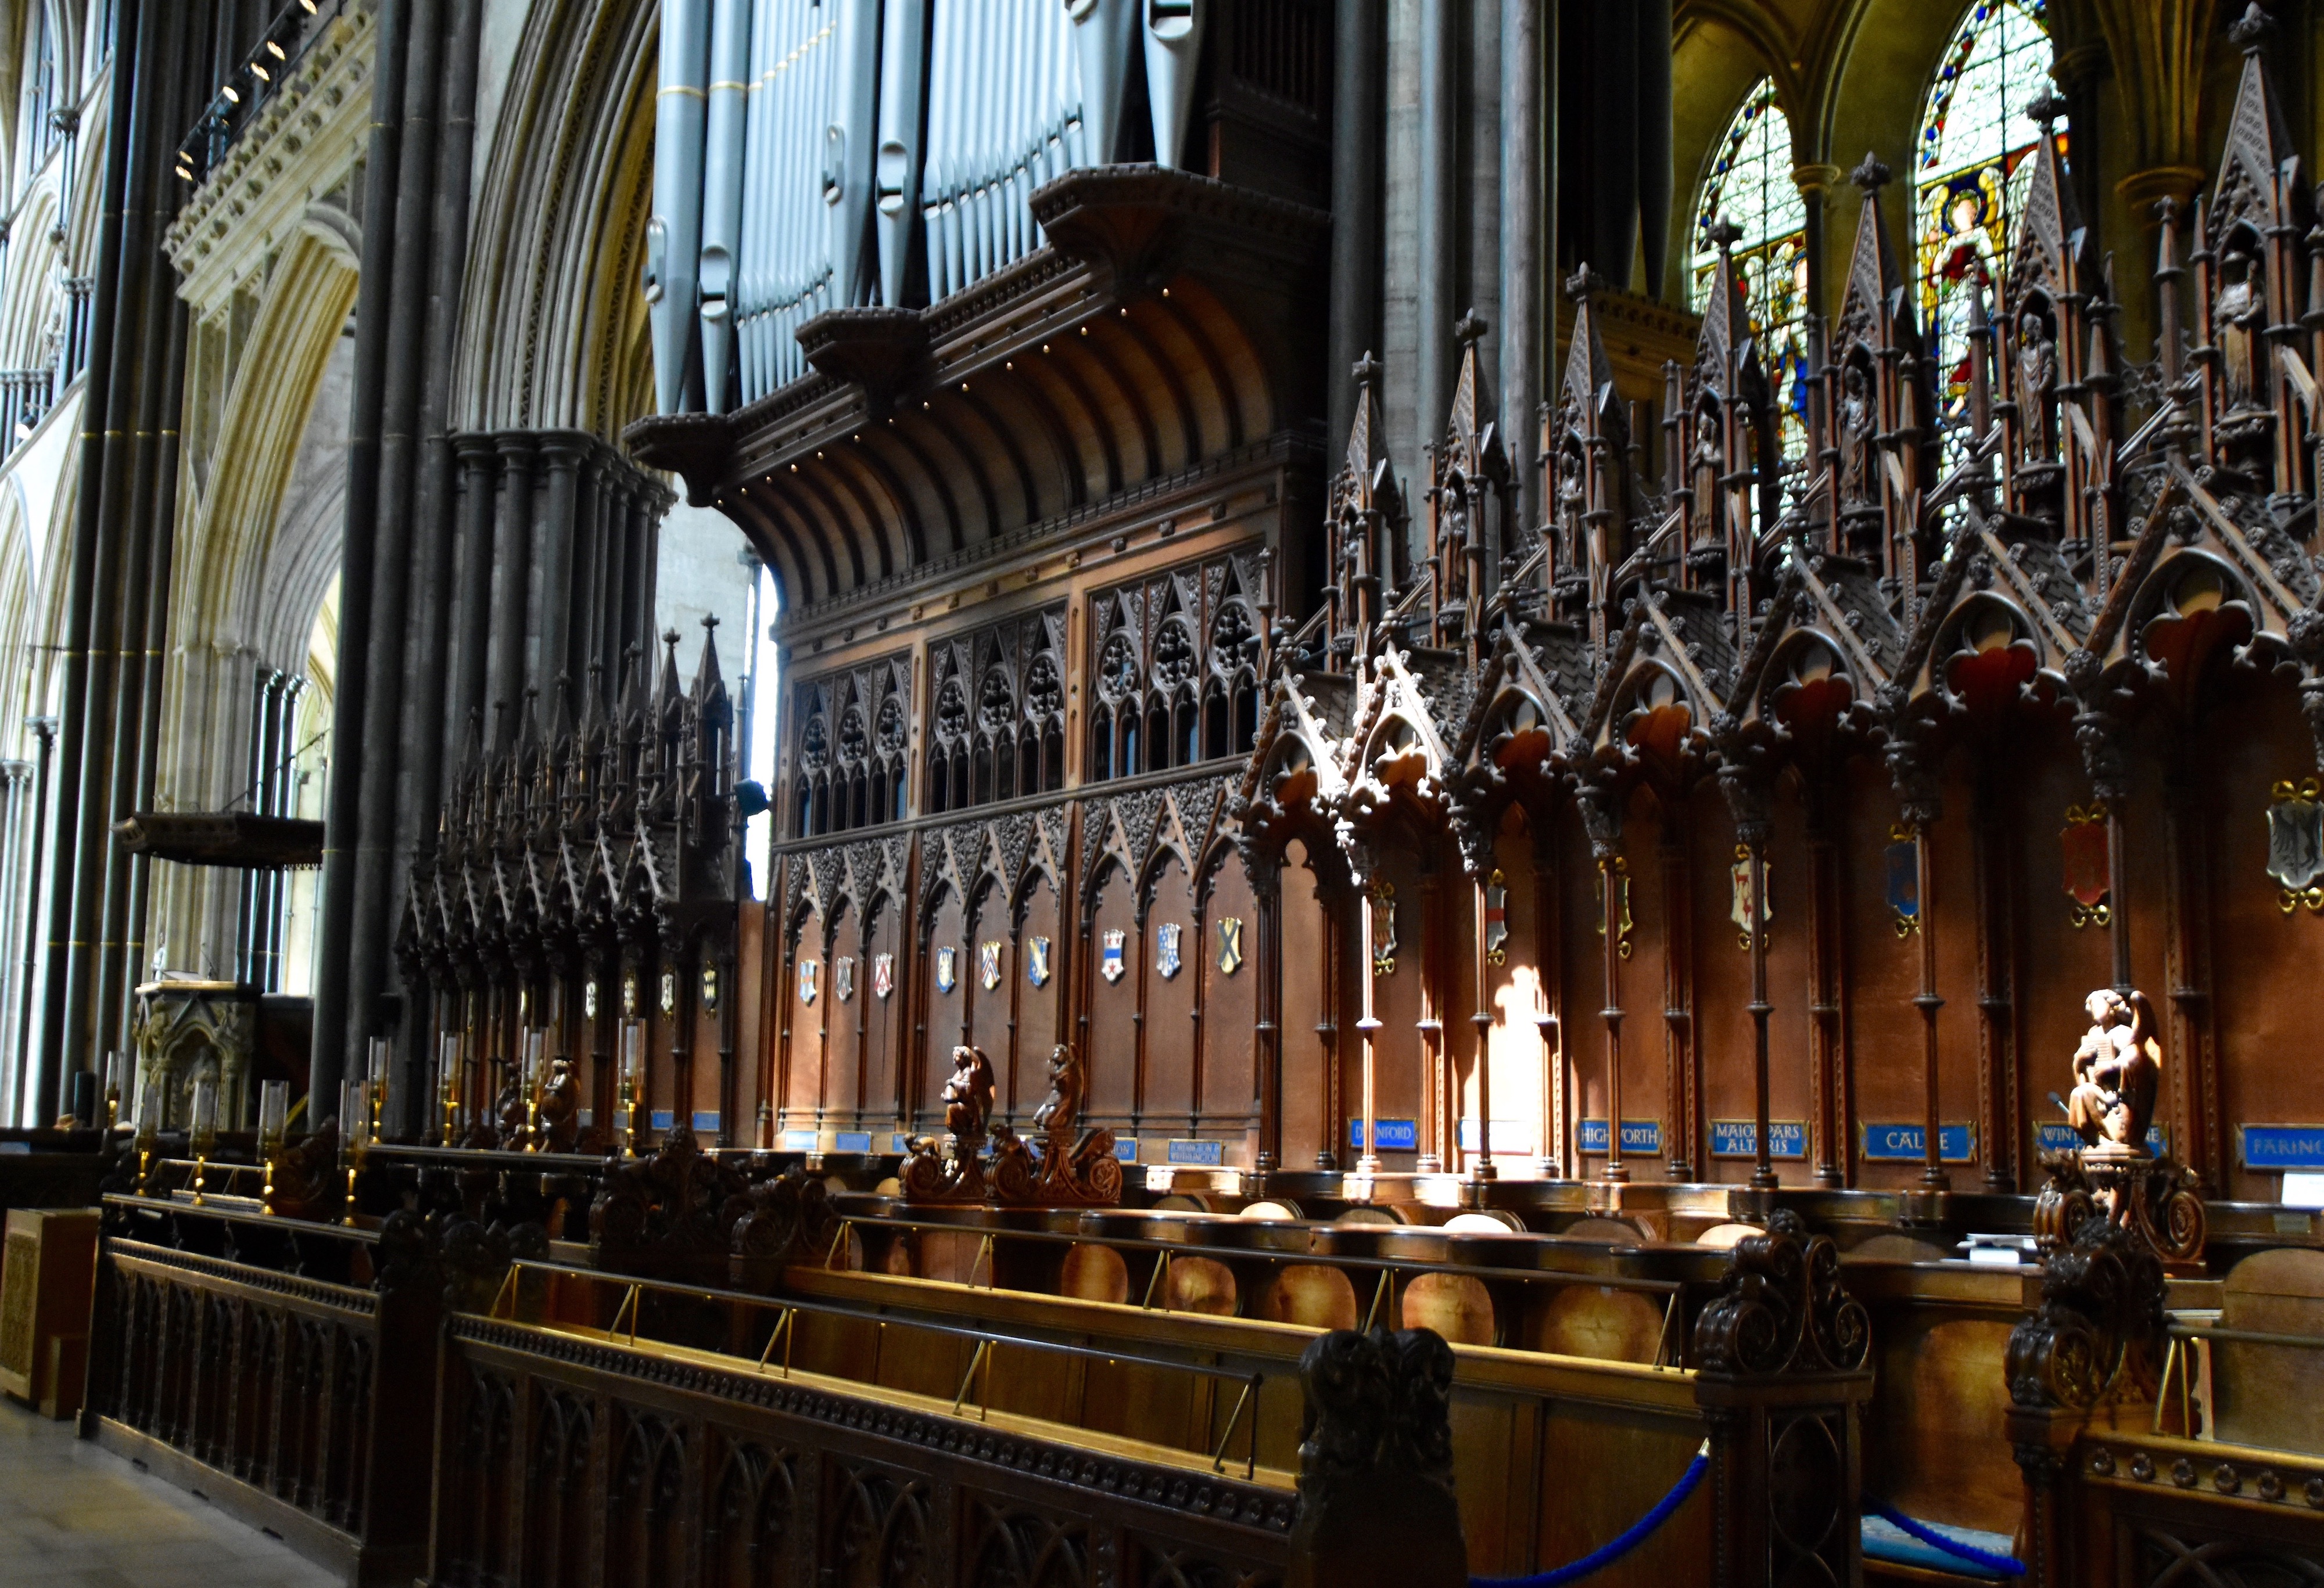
(848,147)
(903,51)
(796,137)
(1174,47)
(722,197)
(1101,32)
(1004,116)
(674,235)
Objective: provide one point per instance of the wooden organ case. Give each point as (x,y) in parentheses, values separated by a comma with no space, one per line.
(1031,541)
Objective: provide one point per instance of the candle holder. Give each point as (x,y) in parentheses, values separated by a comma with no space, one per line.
(447,1089)
(536,1042)
(273,1112)
(632,1062)
(204,1134)
(113,1068)
(147,1126)
(351,1106)
(382,1061)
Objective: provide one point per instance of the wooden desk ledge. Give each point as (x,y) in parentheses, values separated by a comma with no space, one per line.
(967,1416)
(1631,1385)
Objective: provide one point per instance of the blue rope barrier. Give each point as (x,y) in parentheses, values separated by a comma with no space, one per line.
(1606,1555)
(2008,1566)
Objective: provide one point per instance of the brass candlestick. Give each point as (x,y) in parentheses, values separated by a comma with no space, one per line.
(353,1131)
(273,1113)
(204,1134)
(632,1063)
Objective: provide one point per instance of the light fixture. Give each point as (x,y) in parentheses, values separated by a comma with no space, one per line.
(276,50)
(231,96)
(260,72)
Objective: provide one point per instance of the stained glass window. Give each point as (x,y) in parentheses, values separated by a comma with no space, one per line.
(1970,174)
(1748,185)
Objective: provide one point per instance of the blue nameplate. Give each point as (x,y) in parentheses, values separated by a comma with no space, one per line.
(2060,1138)
(1739,1138)
(1198,1154)
(660,1119)
(2296,1147)
(897,1142)
(1125,1149)
(799,1140)
(1396,1135)
(852,1141)
(1909,1143)
(705,1120)
(1638,1135)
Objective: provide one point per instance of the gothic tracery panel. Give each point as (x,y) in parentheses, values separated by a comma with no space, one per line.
(848,754)
(1172,668)
(998,729)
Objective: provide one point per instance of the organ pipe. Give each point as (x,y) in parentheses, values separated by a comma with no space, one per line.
(674,235)
(848,146)
(1101,32)
(903,58)
(794,137)
(1173,45)
(722,191)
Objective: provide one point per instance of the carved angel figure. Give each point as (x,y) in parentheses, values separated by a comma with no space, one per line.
(2116,1071)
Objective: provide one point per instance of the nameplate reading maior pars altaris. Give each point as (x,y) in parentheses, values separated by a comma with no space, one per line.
(1739,1138)
(1909,1143)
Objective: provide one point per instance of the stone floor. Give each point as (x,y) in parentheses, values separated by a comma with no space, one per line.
(73,1515)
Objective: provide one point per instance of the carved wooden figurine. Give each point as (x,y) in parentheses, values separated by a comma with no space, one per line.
(2116,1071)
(2114,1173)
(1075,1170)
(953,1169)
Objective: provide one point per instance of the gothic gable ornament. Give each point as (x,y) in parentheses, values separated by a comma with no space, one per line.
(1166,956)
(883,975)
(1037,962)
(947,959)
(2295,844)
(1110,963)
(1229,944)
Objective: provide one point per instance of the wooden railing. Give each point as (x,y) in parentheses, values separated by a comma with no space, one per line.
(288,1399)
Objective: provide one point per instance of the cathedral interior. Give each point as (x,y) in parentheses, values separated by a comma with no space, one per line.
(1404,769)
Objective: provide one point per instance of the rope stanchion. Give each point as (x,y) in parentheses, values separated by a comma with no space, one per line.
(1608,1554)
(2007,1566)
